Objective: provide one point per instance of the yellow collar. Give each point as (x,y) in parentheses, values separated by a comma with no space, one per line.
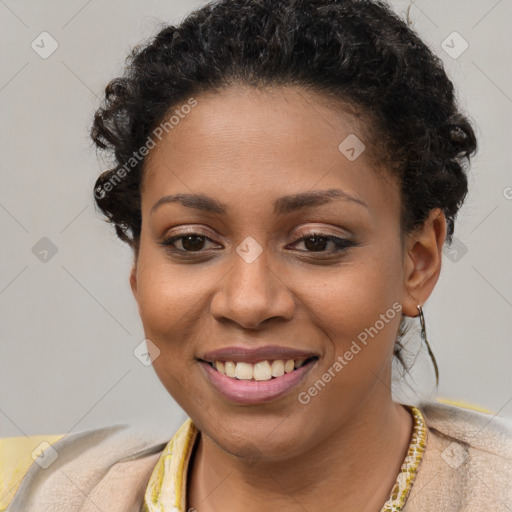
(167,487)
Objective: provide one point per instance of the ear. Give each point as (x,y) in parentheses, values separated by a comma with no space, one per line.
(133,281)
(422,263)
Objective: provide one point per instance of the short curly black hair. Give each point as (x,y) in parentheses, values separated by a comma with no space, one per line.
(356,52)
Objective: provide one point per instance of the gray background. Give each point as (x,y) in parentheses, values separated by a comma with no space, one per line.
(69,325)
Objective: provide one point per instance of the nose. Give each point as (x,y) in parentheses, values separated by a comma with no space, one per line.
(252,293)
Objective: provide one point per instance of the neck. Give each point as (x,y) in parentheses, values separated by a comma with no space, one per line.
(355,469)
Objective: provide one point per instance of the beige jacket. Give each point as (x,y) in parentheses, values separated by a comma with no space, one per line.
(467,467)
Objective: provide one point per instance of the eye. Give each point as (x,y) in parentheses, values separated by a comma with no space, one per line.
(190,242)
(317,242)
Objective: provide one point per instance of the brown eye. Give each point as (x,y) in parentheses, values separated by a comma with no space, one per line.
(190,242)
(318,242)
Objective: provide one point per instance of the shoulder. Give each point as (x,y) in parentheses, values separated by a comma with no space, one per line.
(467,461)
(478,429)
(36,468)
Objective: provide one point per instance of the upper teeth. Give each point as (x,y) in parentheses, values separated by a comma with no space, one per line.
(262,370)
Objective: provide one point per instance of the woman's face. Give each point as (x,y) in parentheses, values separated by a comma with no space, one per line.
(248,282)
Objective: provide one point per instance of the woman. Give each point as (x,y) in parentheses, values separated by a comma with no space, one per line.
(287,174)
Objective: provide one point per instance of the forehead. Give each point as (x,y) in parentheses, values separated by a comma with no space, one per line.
(244,142)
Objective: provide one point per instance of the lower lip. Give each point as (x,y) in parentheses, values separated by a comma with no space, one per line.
(255,391)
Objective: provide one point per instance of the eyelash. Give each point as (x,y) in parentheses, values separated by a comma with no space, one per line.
(341,244)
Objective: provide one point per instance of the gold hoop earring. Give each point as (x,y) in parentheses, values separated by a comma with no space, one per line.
(424,338)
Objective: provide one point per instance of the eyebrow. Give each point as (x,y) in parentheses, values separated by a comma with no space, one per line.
(282,206)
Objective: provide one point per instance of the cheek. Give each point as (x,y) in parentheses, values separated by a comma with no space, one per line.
(168,295)
(170,307)
(354,296)
(359,309)
(164,305)
(172,301)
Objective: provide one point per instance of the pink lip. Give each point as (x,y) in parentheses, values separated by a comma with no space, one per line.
(255,392)
(254,355)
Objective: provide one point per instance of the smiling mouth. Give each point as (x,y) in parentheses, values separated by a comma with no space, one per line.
(260,371)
